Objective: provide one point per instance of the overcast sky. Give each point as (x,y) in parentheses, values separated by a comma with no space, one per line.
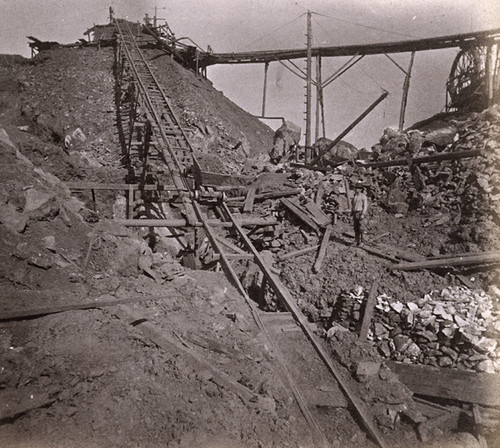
(242,25)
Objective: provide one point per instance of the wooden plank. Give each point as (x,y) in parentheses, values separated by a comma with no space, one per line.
(229,245)
(267,195)
(298,253)
(248,205)
(450,262)
(403,254)
(322,250)
(300,213)
(246,221)
(460,385)
(378,253)
(318,216)
(423,159)
(368,313)
(10,411)
(39,312)
(111,186)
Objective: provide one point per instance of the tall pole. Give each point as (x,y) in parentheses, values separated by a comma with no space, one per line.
(264,92)
(491,57)
(406,88)
(308,88)
(154,19)
(318,95)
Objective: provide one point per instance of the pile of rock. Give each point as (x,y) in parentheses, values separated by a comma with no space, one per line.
(455,327)
(468,188)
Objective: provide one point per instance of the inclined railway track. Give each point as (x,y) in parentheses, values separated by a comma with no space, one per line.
(172,143)
(174,150)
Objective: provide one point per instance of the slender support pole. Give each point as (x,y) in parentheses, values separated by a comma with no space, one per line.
(406,88)
(308,87)
(318,95)
(351,127)
(264,91)
(490,73)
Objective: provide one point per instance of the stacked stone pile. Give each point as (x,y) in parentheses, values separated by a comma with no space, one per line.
(455,327)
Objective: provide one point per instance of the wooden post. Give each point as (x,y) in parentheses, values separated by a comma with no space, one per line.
(406,88)
(130,208)
(264,91)
(322,250)
(369,306)
(308,88)
(490,73)
(93,199)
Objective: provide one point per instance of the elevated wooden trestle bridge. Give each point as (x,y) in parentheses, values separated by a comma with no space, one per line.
(473,83)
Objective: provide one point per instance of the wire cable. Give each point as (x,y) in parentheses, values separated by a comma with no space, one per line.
(364,26)
(273,31)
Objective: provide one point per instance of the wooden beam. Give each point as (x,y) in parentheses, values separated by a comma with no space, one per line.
(109,186)
(406,88)
(368,313)
(350,127)
(452,384)
(450,262)
(249,200)
(322,250)
(298,253)
(247,221)
(423,159)
(39,312)
(300,213)
(317,214)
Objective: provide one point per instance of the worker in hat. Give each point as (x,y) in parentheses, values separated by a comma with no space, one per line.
(359,207)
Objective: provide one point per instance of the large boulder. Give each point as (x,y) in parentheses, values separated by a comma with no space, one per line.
(285,137)
(341,152)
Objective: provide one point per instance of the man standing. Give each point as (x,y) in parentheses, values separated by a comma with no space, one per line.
(359,207)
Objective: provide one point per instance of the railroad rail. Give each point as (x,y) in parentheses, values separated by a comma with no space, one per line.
(151,119)
(161,121)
